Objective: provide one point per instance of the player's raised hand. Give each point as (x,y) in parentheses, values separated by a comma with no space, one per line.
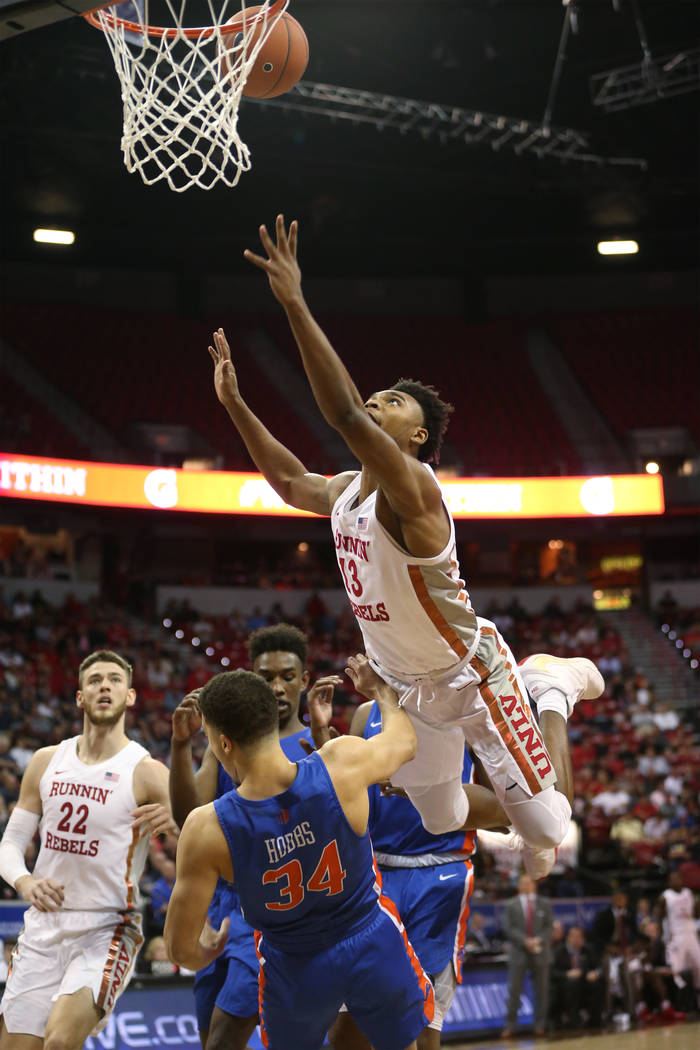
(364,677)
(213,941)
(319,700)
(44,894)
(281,264)
(225,378)
(187,718)
(153,818)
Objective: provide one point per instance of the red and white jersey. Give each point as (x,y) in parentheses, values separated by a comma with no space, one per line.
(680,913)
(414,613)
(87,842)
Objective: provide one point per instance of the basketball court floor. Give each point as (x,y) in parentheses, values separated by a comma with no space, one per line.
(670,1037)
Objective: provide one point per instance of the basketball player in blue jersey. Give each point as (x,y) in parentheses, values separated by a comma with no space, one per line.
(293,839)
(430,880)
(395,543)
(226,991)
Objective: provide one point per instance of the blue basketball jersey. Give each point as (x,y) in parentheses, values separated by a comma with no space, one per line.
(395,824)
(225,900)
(305,879)
(231,982)
(291,746)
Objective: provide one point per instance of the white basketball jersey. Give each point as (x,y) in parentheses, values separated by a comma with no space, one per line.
(414,613)
(680,912)
(87,842)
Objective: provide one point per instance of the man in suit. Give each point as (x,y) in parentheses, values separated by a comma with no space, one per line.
(614,923)
(527,926)
(576,981)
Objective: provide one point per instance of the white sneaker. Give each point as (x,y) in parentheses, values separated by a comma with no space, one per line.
(537,862)
(577,678)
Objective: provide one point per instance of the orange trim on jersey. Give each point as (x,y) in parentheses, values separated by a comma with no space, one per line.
(469,842)
(129,858)
(436,618)
(257,937)
(388,906)
(499,721)
(12,957)
(461,938)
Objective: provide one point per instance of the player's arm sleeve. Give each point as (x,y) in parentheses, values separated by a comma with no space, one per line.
(18,834)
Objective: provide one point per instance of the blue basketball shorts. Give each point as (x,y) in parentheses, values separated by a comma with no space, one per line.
(434,907)
(231,981)
(374,970)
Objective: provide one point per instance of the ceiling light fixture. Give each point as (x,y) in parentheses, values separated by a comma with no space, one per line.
(617,247)
(54,236)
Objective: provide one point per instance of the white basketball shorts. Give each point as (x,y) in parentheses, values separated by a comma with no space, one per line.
(59,953)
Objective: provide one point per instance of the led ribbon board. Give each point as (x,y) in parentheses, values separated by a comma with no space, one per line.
(226,492)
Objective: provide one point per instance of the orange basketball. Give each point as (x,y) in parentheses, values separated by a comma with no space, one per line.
(281,60)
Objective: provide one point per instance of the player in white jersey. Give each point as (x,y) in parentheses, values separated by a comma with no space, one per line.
(97,798)
(678,907)
(455,675)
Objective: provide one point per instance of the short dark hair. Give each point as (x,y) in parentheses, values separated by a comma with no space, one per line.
(278,638)
(105,656)
(241,705)
(436,415)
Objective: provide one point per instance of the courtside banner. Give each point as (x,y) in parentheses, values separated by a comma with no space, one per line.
(225,492)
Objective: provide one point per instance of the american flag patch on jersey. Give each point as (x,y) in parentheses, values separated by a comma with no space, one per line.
(362,523)
(114,777)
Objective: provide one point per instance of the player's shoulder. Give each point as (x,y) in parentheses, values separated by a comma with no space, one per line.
(39,762)
(341,750)
(201,816)
(426,476)
(150,772)
(201,827)
(338,484)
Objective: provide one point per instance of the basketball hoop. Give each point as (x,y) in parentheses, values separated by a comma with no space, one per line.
(180,113)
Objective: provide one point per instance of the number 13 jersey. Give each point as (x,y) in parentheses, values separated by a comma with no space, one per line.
(414,613)
(87,841)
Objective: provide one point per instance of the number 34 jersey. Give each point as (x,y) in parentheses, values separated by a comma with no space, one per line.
(88,844)
(305,879)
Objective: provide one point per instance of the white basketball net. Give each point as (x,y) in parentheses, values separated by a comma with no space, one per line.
(180,113)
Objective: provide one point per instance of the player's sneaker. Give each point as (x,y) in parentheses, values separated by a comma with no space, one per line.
(577,678)
(537,862)
(669,1014)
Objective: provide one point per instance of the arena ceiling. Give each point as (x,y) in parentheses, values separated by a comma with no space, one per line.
(373,202)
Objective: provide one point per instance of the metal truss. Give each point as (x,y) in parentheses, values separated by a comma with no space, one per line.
(444,122)
(647,81)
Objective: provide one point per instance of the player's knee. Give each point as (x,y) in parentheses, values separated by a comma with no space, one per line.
(59,1041)
(436,825)
(544,838)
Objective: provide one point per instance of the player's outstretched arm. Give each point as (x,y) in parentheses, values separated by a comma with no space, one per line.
(282,470)
(365,762)
(409,487)
(202,857)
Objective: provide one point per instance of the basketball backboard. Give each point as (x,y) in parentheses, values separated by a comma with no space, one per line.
(19,16)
